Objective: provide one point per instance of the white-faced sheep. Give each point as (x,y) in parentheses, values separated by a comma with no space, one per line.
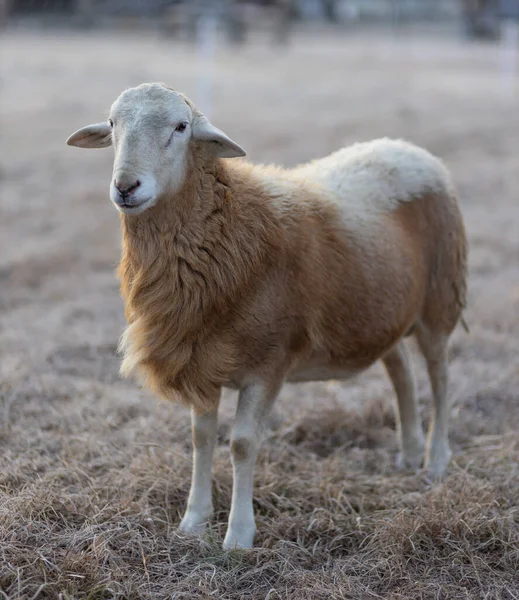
(248,276)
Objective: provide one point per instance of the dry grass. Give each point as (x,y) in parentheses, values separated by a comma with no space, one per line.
(94,473)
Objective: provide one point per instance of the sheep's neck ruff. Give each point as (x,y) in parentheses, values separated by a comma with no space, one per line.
(185,263)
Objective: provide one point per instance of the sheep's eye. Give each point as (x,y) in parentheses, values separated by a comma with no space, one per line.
(110,122)
(181,127)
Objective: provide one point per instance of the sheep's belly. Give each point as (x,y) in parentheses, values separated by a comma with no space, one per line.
(301,374)
(315,368)
(320,366)
(320,373)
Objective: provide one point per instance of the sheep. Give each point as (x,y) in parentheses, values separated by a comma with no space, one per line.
(247,276)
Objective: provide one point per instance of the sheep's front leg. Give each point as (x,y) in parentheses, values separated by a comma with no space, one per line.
(253,407)
(200,502)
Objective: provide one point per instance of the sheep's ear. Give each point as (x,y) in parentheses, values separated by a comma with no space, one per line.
(219,144)
(92,136)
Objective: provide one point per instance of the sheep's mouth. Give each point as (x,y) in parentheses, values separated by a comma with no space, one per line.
(133,207)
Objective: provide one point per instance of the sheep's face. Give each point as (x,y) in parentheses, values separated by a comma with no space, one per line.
(151,128)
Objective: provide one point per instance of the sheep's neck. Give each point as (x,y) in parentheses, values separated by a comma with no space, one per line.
(174,217)
(182,268)
(168,253)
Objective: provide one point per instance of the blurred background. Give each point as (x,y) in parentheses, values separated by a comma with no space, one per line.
(479,18)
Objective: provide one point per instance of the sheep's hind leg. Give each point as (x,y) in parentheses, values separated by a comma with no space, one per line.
(254,404)
(200,503)
(434,348)
(410,431)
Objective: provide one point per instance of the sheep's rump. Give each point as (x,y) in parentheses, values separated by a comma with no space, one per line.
(392,253)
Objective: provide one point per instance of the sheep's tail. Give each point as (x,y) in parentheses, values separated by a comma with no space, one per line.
(464,324)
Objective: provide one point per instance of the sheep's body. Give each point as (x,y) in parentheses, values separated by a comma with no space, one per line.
(249,276)
(323,269)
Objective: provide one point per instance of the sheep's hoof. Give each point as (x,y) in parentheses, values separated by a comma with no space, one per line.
(406,462)
(194,522)
(412,457)
(239,538)
(436,466)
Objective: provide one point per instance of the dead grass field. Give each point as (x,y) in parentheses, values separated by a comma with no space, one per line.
(94,473)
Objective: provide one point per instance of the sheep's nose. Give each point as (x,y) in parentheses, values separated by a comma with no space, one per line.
(126,186)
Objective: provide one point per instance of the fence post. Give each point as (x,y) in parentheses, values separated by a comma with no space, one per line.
(508,57)
(206,32)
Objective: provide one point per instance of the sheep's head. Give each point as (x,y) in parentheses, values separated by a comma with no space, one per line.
(151,128)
